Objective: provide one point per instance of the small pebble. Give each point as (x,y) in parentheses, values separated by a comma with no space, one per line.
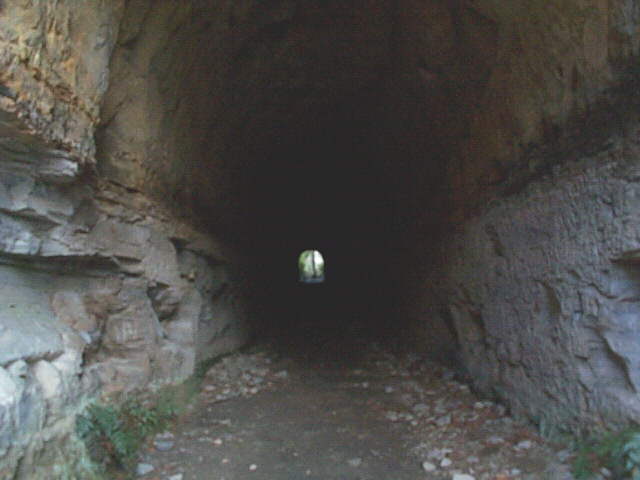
(393,416)
(163,445)
(253,467)
(164,442)
(177,476)
(445,462)
(443,421)
(355,462)
(428,466)
(462,476)
(144,468)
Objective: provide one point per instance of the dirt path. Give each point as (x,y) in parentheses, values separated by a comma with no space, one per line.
(371,415)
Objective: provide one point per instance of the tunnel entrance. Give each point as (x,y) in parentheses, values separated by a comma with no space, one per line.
(164,164)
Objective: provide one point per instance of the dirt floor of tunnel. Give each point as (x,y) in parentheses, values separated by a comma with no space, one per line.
(324,415)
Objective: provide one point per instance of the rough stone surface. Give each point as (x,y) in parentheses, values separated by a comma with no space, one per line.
(566,277)
(97,301)
(111,112)
(55,60)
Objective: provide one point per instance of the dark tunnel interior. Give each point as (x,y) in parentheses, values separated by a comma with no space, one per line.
(338,182)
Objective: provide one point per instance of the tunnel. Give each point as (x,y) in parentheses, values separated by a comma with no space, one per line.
(467,170)
(326,188)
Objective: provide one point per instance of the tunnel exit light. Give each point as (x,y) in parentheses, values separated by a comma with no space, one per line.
(311,267)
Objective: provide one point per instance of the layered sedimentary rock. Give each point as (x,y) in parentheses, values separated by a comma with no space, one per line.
(103,289)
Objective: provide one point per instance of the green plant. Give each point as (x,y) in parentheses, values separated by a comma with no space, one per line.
(108,441)
(114,434)
(617,451)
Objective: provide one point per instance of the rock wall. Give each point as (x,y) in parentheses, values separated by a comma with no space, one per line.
(493,81)
(537,296)
(104,289)
(218,84)
(518,269)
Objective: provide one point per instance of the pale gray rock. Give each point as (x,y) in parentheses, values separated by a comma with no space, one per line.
(58,169)
(144,468)
(428,467)
(8,388)
(18,369)
(29,331)
(16,237)
(49,378)
(462,476)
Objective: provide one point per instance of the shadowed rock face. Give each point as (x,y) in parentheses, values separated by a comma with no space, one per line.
(468,170)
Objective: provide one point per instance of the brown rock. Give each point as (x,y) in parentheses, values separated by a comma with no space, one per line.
(70,309)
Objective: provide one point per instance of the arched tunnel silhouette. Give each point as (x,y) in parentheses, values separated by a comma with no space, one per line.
(467,169)
(335,183)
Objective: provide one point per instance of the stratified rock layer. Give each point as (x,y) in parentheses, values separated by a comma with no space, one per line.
(104,290)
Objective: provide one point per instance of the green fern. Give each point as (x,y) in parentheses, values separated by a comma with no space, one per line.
(113,434)
(617,451)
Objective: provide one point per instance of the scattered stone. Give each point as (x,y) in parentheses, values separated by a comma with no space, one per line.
(439,453)
(462,476)
(443,421)
(445,462)
(144,468)
(164,441)
(524,445)
(177,476)
(253,467)
(428,466)
(355,462)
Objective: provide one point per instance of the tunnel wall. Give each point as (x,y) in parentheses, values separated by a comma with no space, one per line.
(105,290)
(528,281)
(541,291)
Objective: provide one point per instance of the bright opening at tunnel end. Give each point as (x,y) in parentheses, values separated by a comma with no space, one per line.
(311,267)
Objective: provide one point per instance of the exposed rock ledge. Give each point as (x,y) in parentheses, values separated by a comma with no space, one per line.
(104,291)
